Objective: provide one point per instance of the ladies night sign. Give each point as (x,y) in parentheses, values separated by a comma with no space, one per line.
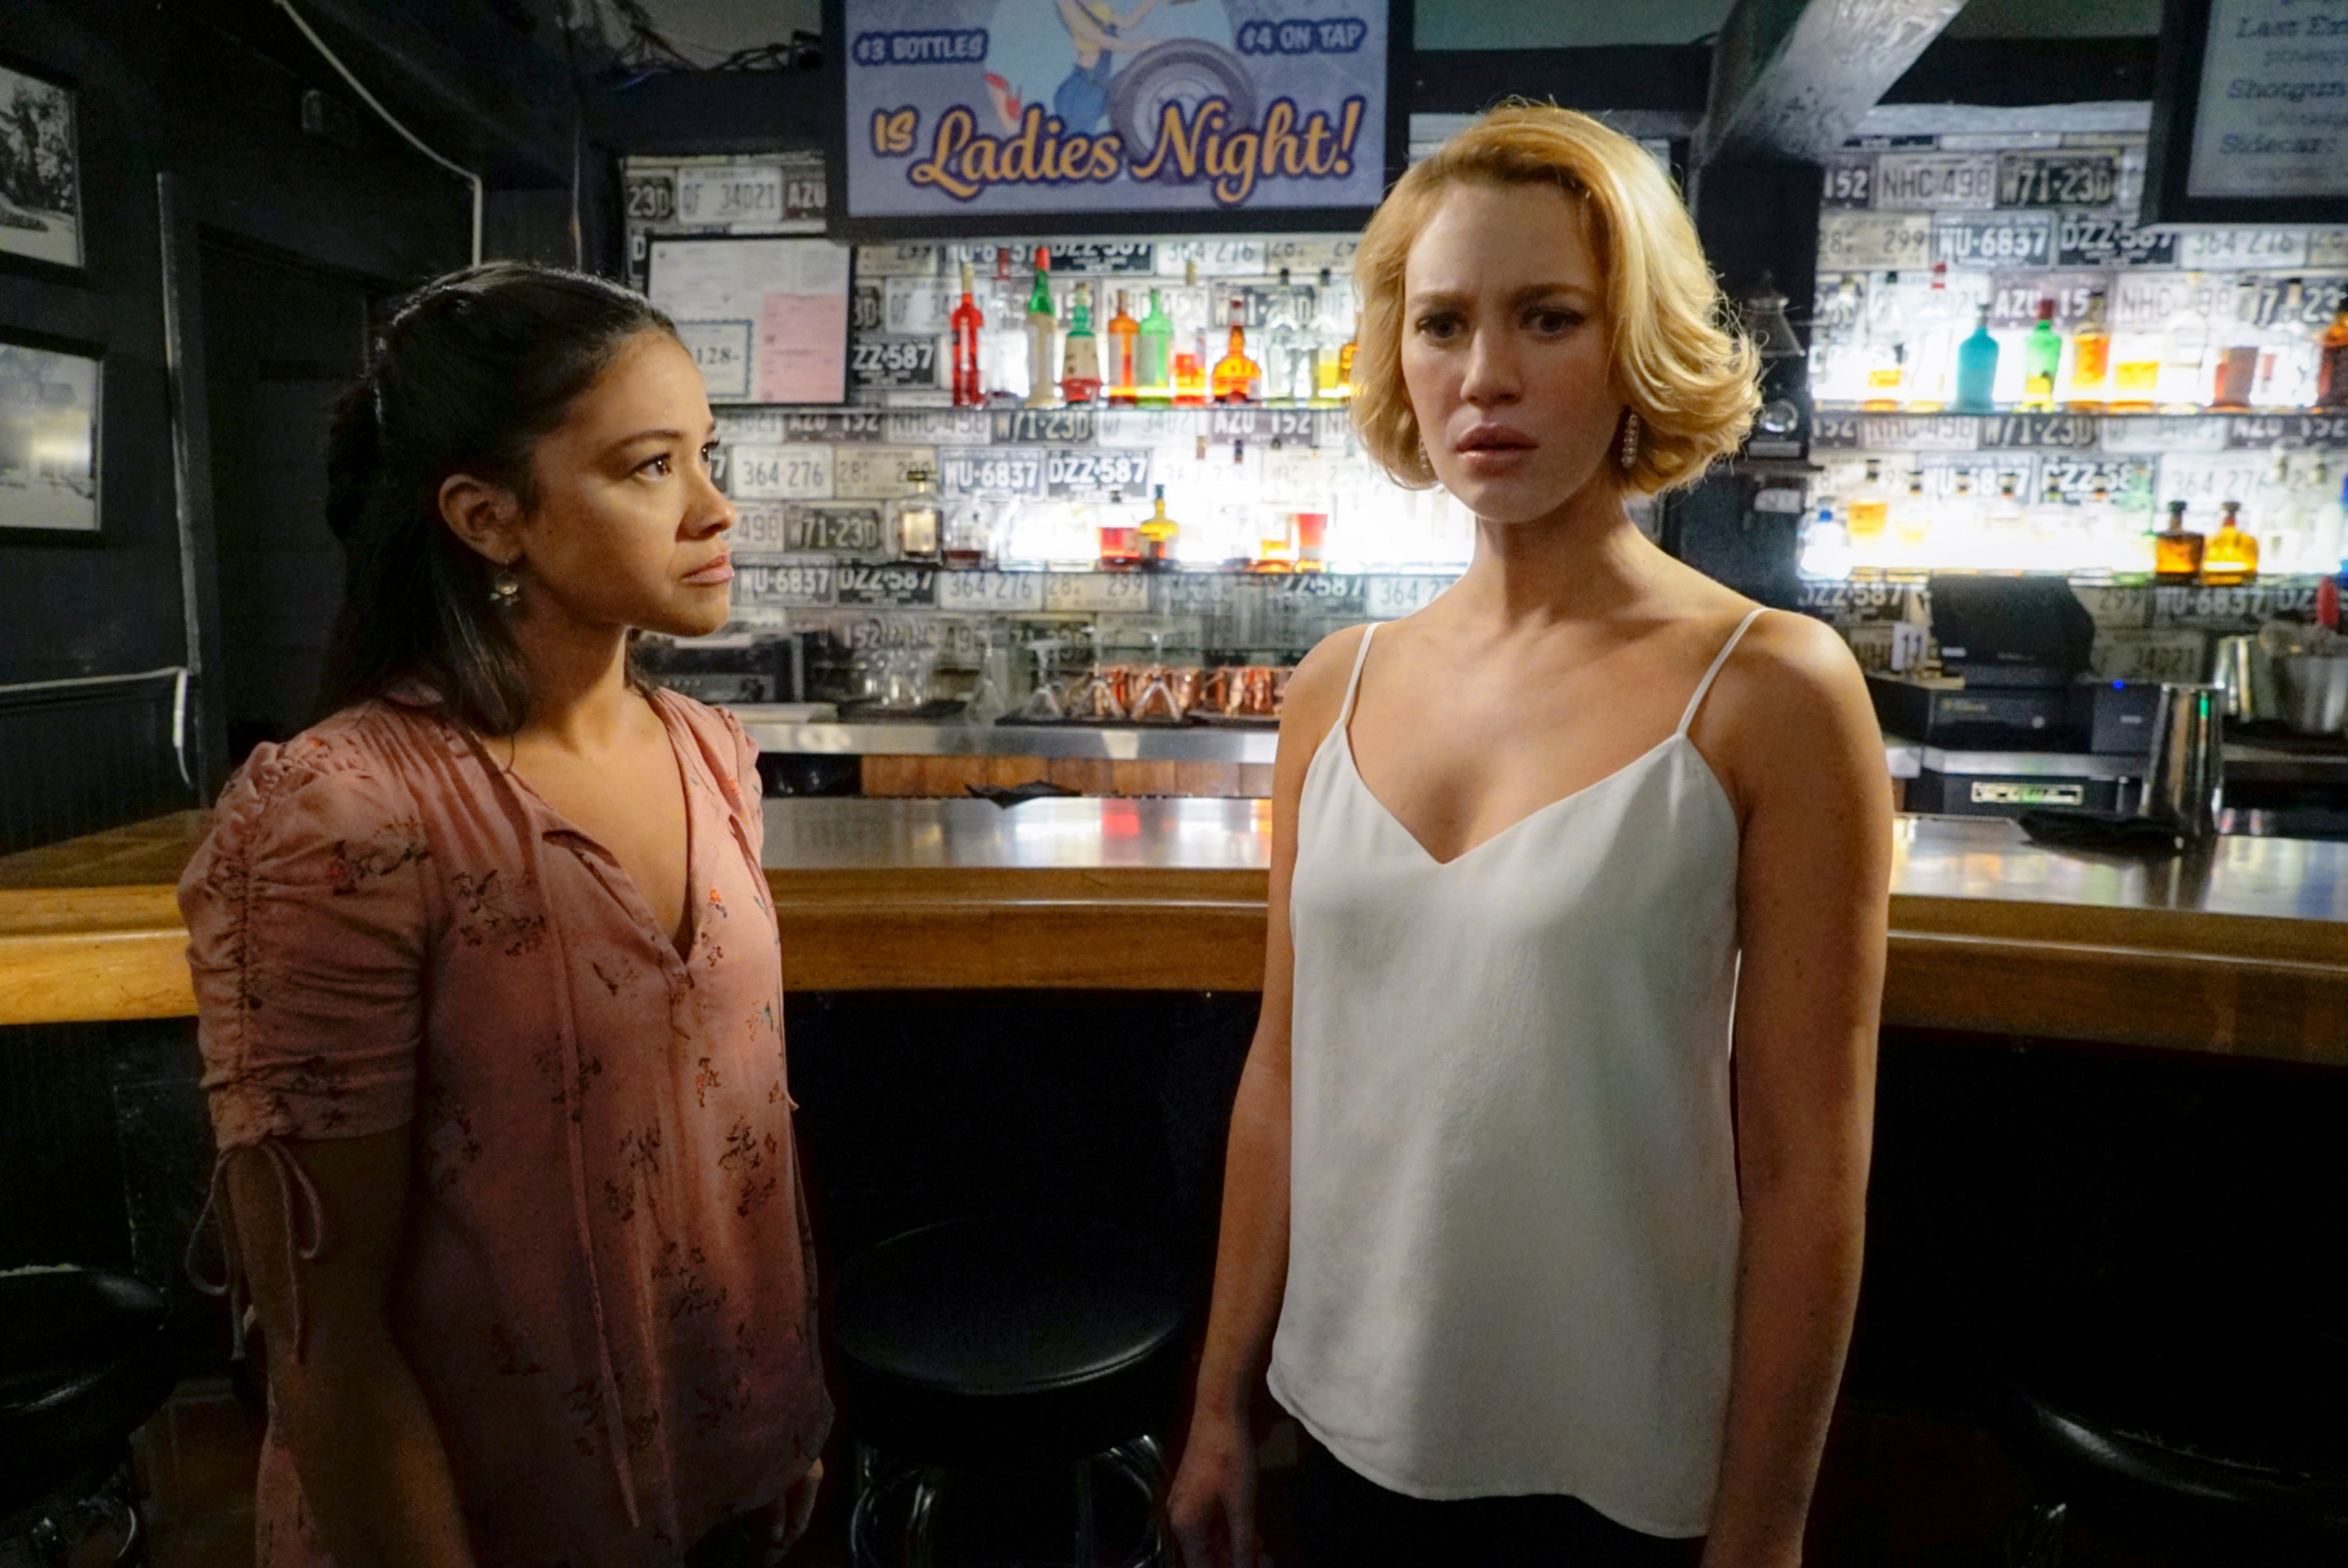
(1066,107)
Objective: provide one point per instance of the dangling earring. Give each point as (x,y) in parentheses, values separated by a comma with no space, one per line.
(505,588)
(1631,438)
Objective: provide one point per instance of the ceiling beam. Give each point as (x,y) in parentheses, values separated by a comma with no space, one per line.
(1790,78)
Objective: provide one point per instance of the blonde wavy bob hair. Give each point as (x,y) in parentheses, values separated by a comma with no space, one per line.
(1678,361)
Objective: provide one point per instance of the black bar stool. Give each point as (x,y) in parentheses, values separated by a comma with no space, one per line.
(2188,1430)
(84,1360)
(988,1358)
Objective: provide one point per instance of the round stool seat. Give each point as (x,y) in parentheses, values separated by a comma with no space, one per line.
(1006,1340)
(2179,1433)
(83,1361)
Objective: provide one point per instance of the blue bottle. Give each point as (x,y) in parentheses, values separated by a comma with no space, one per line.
(1976,367)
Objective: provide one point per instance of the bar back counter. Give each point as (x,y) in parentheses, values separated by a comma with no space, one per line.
(2123,1074)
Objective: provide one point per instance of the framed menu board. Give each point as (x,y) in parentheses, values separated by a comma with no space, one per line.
(990,117)
(2250,113)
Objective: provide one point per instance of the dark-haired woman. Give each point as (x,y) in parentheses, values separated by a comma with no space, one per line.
(490,988)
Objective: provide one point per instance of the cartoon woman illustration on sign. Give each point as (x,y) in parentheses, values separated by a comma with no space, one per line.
(1033,44)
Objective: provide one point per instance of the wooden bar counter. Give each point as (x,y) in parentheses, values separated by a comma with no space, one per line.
(2238,949)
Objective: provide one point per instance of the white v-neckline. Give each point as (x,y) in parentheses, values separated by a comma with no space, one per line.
(1345,742)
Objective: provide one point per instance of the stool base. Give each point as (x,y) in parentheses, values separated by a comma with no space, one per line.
(904,1515)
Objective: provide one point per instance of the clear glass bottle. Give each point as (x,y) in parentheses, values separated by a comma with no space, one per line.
(1154,355)
(1886,355)
(2184,382)
(2287,352)
(2091,354)
(1043,337)
(1081,368)
(1120,535)
(1279,341)
(1867,513)
(1912,524)
(1003,344)
(1932,362)
(2176,550)
(2232,554)
(1331,328)
(2053,525)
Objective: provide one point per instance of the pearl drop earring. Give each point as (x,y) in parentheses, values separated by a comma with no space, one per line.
(1631,438)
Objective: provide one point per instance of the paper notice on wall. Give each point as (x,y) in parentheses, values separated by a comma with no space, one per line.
(788,296)
(2273,115)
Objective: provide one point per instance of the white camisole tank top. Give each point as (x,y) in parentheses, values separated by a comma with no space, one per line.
(1513,1215)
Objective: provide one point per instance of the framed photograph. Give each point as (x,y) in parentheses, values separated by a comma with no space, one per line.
(48,440)
(40,170)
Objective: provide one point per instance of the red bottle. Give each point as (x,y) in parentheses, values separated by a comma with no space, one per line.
(968,391)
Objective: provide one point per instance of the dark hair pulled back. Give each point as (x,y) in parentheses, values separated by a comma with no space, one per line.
(472,369)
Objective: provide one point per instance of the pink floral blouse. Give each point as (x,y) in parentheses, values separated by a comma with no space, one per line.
(607,1296)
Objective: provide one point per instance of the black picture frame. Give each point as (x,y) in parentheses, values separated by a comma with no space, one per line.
(654,245)
(11,433)
(13,256)
(842,224)
(2168,148)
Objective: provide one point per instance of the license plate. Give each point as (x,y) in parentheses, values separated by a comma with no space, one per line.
(2057,178)
(1091,592)
(2014,300)
(1302,256)
(777,473)
(878,473)
(831,528)
(1873,241)
(1392,597)
(2153,435)
(938,427)
(1935,182)
(1849,181)
(2038,432)
(1835,433)
(1050,426)
(1216,258)
(2099,239)
(892,359)
(1104,256)
(919,305)
(2219,248)
(1097,472)
(1001,592)
(2002,792)
(651,198)
(895,583)
(1920,433)
(788,584)
(732,195)
(2009,240)
(896,260)
(991,470)
(2078,478)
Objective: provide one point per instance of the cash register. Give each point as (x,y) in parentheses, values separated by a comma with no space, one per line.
(2015,719)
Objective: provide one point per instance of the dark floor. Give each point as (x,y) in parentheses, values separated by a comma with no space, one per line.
(1897,1490)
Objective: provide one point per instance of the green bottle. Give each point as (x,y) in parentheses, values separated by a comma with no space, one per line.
(2042,357)
(1080,374)
(1043,337)
(1153,357)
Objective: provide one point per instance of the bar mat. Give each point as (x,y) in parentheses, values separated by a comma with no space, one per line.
(2112,831)
(1016,795)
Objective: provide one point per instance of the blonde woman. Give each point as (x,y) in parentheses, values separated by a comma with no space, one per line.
(1558,863)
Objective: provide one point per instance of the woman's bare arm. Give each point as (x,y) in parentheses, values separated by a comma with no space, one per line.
(1251,1248)
(1813,886)
(346,1404)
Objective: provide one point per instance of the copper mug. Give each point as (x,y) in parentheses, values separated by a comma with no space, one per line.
(1219,690)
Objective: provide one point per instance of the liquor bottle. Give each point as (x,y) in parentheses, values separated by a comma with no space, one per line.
(1932,366)
(2053,525)
(1977,366)
(1153,370)
(1080,371)
(1043,337)
(1002,345)
(1346,366)
(2232,556)
(1911,523)
(1961,523)
(918,519)
(2332,369)
(1190,379)
(1124,371)
(2091,353)
(1159,533)
(2136,370)
(2108,547)
(2042,358)
(2176,552)
(2005,531)
(2327,528)
(1120,538)
(1886,354)
(1332,329)
(1238,378)
(2136,507)
(1866,514)
(969,388)
(1279,340)
(2184,382)
(2238,349)
(1824,548)
(2286,352)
